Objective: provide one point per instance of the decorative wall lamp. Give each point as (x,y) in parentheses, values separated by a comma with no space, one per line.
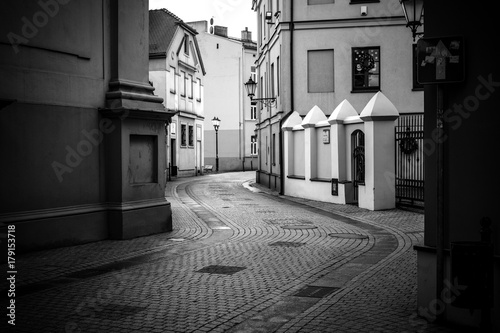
(413,10)
(216,123)
(251,85)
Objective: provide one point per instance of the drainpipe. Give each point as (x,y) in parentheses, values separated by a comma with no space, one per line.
(282,167)
(291,57)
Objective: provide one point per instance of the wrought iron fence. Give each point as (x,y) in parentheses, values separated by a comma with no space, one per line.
(410,172)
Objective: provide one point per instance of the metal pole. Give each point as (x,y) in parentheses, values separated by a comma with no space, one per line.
(440,241)
(217,150)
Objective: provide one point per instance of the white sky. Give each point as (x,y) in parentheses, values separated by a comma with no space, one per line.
(234,14)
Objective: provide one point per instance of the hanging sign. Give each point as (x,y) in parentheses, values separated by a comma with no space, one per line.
(440,60)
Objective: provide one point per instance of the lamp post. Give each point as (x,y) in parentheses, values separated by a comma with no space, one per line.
(413,10)
(216,123)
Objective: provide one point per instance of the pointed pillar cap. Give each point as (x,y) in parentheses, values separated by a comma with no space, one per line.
(293,120)
(379,108)
(341,112)
(314,116)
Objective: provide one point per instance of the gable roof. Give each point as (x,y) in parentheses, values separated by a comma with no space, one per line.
(162,27)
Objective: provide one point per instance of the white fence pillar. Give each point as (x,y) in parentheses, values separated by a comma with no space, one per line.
(288,145)
(336,120)
(314,116)
(339,153)
(379,191)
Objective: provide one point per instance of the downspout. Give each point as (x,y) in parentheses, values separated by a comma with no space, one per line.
(292,107)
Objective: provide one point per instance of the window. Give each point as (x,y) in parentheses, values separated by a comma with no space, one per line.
(267,150)
(319,2)
(273,152)
(264,24)
(191,135)
(190,86)
(186,44)
(278,75)
(320,78)
(260,26)
(253,111)
(253,73)
(199,90)
(173,80)
(253,145)
(182,84)
(366,69)
(261,90)
(183,135)
(272,80)
(416,85)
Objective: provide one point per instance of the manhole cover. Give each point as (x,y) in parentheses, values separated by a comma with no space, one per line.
(316,292)
(298,227)
(216,269)
(349,236)
(287,244)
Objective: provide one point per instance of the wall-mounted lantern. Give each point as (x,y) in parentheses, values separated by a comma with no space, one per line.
(414,12)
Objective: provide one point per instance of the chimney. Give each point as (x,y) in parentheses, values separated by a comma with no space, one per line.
(220,31)
(246,35)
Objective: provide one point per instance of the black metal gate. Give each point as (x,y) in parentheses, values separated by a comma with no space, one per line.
(410,160)
(358,160)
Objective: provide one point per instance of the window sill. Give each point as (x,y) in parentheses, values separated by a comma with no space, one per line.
(374,90)
(357,2)
(198,100)
(173,92)
(322,180)
(296,177)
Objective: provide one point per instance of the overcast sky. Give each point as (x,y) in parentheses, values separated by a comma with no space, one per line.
(234,14)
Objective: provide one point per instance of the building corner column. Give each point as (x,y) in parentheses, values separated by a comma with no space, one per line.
(134,146)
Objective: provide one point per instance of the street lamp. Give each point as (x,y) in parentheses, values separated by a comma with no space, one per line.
(216,123)
(251,85)
(413,10)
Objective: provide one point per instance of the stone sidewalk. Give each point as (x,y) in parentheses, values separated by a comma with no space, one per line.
(240,259)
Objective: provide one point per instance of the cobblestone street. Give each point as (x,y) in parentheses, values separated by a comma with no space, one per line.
(240,259)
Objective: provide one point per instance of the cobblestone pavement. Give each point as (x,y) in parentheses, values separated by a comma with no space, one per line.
(240,259)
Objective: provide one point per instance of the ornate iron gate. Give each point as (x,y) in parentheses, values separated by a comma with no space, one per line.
(410,160)
(358,160)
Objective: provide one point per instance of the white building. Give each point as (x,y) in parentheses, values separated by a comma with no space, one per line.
(176,70)
(229,62)
(321,52)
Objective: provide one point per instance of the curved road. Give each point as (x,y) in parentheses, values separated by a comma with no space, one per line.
(239,260)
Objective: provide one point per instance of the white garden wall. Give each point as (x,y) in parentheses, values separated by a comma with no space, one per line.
(319,152)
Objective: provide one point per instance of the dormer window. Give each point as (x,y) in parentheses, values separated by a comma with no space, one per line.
(186,44)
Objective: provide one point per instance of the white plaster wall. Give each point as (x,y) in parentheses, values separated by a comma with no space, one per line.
(324,153)
(298,153)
